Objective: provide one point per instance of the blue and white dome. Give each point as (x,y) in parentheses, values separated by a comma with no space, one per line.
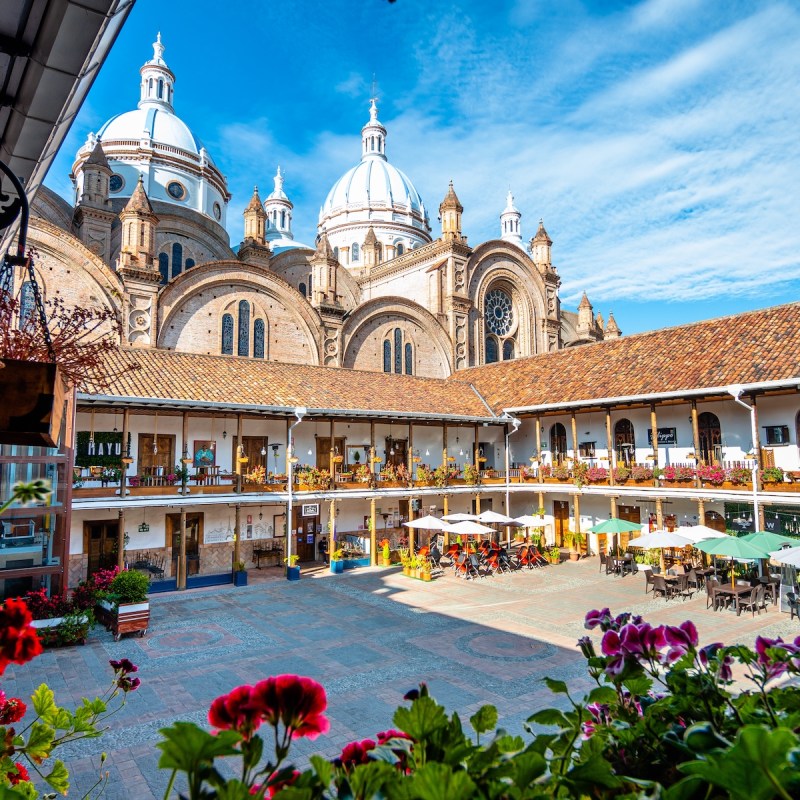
(153,143)
(373,194)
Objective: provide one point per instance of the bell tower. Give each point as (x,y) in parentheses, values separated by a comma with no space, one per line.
(450,210)
(93,214)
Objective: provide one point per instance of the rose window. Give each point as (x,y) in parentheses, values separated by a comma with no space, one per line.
(498,312)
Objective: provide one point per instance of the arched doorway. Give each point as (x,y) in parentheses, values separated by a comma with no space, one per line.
(558,443)
(625,442)
(710,438)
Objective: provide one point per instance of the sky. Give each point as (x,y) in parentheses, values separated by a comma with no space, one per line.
(658,140)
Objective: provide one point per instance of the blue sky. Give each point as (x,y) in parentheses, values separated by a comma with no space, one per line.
(658,140)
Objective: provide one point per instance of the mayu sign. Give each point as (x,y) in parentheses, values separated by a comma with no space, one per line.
(665,436)
(104,449)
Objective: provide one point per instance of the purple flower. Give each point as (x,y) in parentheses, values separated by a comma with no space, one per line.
(586,646)
(124,665)
(597,618)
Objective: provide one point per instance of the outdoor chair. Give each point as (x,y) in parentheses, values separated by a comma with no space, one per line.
(493,562)
(474,567)
(682,588)
(648,581)
(505,563)
(660,586)
(524,557)
(156,568)
(435,560)
(755,600)
(537,559)
(692,579)
(714,600)
(461,565)
(794,605)
(607,563)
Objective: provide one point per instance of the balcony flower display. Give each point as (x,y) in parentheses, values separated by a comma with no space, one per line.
(314,478)
(773,475)
(641,473)
(424,473)
(256,475)
(621,474)
(677,473)
(362,473)
(560,472)
(739,475)
(546,471)
(596,474)
(711,473)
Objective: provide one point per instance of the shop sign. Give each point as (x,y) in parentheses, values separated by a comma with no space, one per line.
(311,510)
(665,436)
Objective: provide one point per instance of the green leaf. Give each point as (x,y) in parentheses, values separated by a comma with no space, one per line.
(40,742)
(22,791)
(366,780)
(592,772)
(602,694)
(43,700)
(685,789)
(638,685)
(423,718)
(439,782)
(58,777)
(323,768)
(528,767)
(484,719)
(557,687)
(550,716)
(187,746)
(755,767)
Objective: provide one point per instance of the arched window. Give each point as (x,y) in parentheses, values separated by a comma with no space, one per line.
(400,249)
(398,350)
(710,438)
(303,289)
(379,252)
(283,218)
(244,328)
(336,253)
(150,88)
(508,349)
(387,355)
(177,259)
(189,263)
(160,89)
(354,252)
(558,442)
(491,350)
(163,266)
(227,335)
(625,442)
(409,351)
(27,303)
(258,338)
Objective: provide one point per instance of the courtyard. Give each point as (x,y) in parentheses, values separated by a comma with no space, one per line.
(368,636)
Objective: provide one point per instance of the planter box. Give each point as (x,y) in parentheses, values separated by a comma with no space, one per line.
(33,403)
(676,484)
(52,631)
(337,567)
(292,573)
(240,577)
(782,487)
(125,618)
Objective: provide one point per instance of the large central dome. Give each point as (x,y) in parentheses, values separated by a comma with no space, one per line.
(373,194)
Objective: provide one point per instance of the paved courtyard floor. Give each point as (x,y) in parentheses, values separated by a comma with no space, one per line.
(368,636)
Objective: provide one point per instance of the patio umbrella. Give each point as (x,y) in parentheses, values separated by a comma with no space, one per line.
(660,540)
(770,541)
(427,523)
(732,547)
(460,517)
(494,516)
(614,526)
(699,533)
(468,528)
(790,556)
(527,521)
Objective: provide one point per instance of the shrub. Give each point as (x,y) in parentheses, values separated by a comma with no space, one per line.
(130,586)
(560,472)
(43,607)
(472,475)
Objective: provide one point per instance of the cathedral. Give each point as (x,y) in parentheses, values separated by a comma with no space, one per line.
(146,236)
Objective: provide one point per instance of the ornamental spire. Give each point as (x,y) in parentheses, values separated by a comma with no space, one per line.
(373,135)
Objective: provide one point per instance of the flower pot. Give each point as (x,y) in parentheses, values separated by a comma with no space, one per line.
(337,567)
(386,562)
(426,576)
(131,618)
(574,555)
(406,570)
(240,577)
(292,573)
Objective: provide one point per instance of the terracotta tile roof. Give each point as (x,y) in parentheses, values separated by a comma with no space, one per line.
(165,374)
(754,347)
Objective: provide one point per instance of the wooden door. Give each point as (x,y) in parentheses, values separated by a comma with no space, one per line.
(194,537)
(251,450)
(164,457)
(558,443)
(561,520)
(629,514)
(710,434)
(715,521)
(100,544)
(400,447)
(324,452)
(304,544)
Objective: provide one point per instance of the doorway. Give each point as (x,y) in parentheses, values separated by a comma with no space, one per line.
(558,443)
(324,452)
(560,520)
(163,458)
(307,531)
(396,452)
(710,434)
(629,514)
(624,443)
(251,450)
(194,535)
(100,539)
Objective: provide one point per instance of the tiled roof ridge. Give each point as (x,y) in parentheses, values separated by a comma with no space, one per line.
(619,342)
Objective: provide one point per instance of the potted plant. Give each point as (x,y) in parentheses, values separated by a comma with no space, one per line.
(472,475)
(575,545)
(239,574)
(772,475)
(337,561)
(425,569)
(125,608)
(405,560)
(58,619)
(554,555)
(292,570)
(386,555)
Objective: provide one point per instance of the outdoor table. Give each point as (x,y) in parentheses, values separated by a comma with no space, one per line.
(624,564)
(258,552)
(733,591)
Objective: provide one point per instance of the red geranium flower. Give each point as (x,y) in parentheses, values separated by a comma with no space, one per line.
(235,711)
(295,701)
(11,711)
(19,642)
(355,753)
(21,774)
(274,788)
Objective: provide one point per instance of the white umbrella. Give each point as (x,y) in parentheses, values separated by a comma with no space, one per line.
(699,533)
(460,517)
(468,528)
(790,556)
(528,521)
(494,516)
(657,539)
(428,523)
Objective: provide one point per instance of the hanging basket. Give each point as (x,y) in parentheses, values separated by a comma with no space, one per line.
(32,411)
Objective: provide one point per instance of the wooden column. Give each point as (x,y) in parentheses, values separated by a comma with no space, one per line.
(701,512)
(126,428)
(331,465)
(612,460)
(184,451)
(477,504)
(411,465)
(121,540)
(654,434)
(613,499)
(239,453)
(332,527)
(539,448)
(659,513)
(574,438)
(181,577)
(541,500)
(237,534)
(444,444)
(696,440)
(757,447)
(373,538)
(445,512)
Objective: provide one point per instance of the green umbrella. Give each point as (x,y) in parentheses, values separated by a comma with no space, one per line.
(615,525)
(732,547)
(770,541)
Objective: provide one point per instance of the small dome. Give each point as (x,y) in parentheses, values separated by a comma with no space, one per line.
(157,124)
(374,183)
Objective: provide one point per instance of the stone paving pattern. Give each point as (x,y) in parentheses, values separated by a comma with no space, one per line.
(369,636)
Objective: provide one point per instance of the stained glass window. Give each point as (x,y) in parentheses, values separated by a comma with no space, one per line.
(354,252)
(258,338)
(163,266)
(244,328)
(227,335)
(498,312)
(508,349)
(409,359)
(387,355)
(189,263)
(177,259)
(398,350)
(303,289)
(491,350)
(27,303)
(400,249)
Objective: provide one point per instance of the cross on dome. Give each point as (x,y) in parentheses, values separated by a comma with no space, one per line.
(158,50)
